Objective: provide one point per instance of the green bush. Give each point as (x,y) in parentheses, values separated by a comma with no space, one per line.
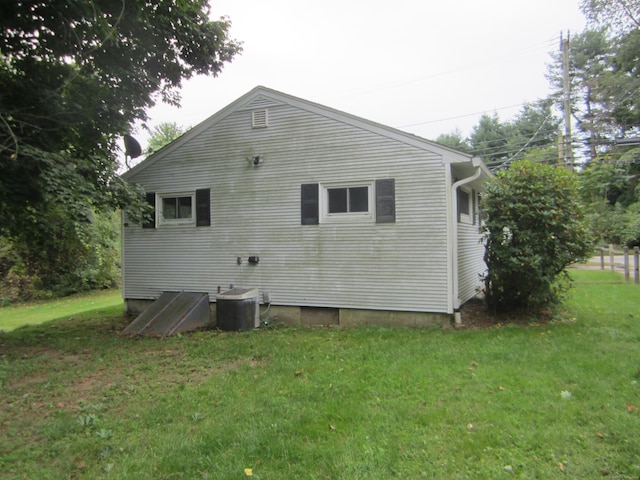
(57,256)
(631,235)
(611,195)
(533,229)
(606,223)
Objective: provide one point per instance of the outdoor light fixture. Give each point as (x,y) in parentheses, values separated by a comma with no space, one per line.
(255,160)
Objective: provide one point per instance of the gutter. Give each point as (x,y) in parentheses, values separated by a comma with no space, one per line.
(477,163)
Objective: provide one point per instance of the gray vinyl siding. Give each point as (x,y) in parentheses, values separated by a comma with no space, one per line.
(256,211)
(470,261)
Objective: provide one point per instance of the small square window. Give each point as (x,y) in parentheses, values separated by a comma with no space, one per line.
(347,202)
(176,209)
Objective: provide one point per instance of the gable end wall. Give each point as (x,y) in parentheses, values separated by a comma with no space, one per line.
(255,211)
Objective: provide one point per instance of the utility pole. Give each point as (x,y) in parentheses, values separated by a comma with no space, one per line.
(568,150)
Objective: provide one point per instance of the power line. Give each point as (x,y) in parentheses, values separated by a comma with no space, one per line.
(461,116)
(528,141)
(520,52)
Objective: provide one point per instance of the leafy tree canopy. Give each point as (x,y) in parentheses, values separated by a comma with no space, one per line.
(535,127)
(75,74)
(490,137)
(624,15)
(163,134)
(604,75)
(455,140)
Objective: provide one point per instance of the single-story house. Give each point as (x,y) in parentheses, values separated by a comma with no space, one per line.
(335,219)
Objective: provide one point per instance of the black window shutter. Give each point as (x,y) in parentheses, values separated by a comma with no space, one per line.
(151,200)
(310,200)
(203,207)
(474,205)
(386,200)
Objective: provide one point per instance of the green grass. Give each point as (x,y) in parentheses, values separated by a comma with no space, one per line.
(78,401)
(35,313)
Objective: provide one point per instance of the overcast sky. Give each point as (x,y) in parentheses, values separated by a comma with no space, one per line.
(426,67)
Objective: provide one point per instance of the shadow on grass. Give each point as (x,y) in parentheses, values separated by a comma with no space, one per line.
(90,324)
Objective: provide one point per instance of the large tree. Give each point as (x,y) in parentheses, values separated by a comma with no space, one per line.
(535,127)
(455,139)
(622,15)
(490,137)
(590,57)
(74,76)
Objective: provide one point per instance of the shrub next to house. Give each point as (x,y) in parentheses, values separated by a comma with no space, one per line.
(533,229)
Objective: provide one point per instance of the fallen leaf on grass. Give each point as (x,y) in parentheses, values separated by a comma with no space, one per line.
(561,466)
(297,373)
(80,464)
(631,408)
(331,427)
(501,388)
(248,472)
(469,426)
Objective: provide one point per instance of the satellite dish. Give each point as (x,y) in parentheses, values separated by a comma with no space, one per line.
(132,148)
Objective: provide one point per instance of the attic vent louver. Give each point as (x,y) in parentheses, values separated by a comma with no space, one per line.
(259,118)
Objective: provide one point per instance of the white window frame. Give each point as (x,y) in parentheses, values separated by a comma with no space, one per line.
(347,217)
(176,221)
(473,202)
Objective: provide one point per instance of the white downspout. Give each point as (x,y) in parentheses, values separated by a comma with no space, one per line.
(476,162)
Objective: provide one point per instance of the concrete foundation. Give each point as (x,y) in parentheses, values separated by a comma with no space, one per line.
(319,316)
(346,317)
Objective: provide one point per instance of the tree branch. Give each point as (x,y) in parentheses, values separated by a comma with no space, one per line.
(14,155)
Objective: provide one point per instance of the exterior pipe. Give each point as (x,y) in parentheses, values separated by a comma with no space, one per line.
(477,163)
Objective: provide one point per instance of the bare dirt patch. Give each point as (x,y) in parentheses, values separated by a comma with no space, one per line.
(475,314)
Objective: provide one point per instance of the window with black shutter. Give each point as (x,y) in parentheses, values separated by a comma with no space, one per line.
(343,202)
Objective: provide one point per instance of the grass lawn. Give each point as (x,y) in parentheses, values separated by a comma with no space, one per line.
(555,400)
(34,313)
